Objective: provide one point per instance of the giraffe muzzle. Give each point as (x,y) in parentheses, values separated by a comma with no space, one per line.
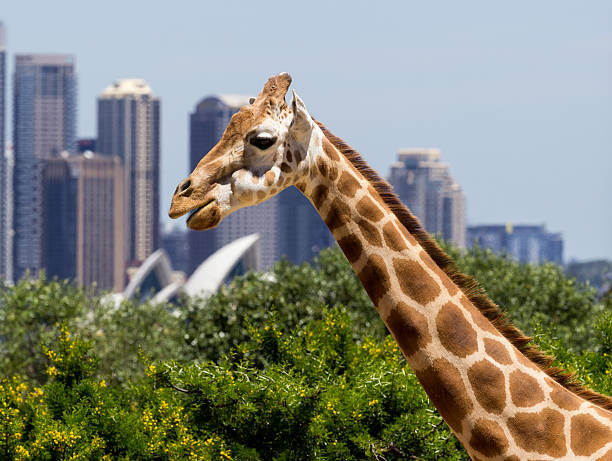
(205,216)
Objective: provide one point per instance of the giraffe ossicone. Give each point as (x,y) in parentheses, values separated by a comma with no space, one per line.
(476,368)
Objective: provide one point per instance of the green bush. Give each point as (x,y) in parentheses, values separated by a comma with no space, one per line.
(534,295)
(272,367)
(294,295)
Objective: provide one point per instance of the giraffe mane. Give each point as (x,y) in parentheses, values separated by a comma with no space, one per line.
(467,284)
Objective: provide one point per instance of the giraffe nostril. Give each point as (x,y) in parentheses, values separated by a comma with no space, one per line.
(183,187)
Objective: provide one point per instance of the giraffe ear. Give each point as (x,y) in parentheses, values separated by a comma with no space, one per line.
(302,122)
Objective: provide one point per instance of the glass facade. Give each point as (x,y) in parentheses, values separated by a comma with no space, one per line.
(44,125)
(6,262)
(424,184)
(128,126)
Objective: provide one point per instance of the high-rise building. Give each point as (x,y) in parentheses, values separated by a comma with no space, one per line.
(44,125)
(6,263)
(128,126)
(84,220)
(176,245)
(425,186)
(302,233)
(527,243)
(288,224)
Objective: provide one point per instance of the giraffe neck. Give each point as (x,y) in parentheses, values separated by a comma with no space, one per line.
(497,402)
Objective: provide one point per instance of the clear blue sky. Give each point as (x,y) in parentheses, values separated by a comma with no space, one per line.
(517,95)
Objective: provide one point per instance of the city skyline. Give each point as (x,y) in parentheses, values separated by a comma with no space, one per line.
(543,125)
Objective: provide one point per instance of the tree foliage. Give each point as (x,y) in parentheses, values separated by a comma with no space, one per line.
(293,364)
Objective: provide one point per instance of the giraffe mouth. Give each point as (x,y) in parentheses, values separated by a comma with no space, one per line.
(205,216)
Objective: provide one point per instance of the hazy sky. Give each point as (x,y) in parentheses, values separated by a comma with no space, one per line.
(517,95)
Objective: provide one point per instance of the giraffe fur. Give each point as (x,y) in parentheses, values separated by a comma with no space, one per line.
(497,392)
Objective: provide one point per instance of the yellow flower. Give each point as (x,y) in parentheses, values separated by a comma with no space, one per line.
(52,371)
(103,383)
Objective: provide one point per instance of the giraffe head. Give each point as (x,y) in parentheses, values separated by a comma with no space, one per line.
(262,151)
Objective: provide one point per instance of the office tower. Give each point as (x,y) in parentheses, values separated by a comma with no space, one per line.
(175,243)
(44,125)
(84,220)
(425,186)
(5,174)
(128,126)
(302,233)
(527,243)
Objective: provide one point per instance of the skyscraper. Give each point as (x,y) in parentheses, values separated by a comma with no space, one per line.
(84,220)
(5,174)
(425,186)
(297,232)
(302,234)
(44,125)
(128,126)
(531,244)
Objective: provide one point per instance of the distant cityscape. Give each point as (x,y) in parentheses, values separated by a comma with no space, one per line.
(88,209)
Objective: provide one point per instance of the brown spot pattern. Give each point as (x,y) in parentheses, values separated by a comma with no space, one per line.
(347,184)
(369,210)
(446,281)
(414,281)
(289,156)
(375,278)
(444,386)
(455,332)
(512,458)
(369,232)
(539,432)
(488,438)
(332,172)
(285,167)
(588,435)
(299,155)
(524,389)
(408,235)
(351,247)
(488,385)
(478,318)
(606,457)
(497,351)
(393,239)
(604,414)
(269,178)
(565,399)
(339,214)
(248,196)
(322,166)
(319,195)
(260,194)
(409,327)
(330,150)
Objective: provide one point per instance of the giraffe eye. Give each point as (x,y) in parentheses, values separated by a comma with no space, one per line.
(263,140)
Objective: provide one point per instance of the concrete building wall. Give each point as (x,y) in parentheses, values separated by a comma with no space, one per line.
(84,220)
(426,187)
(129,127)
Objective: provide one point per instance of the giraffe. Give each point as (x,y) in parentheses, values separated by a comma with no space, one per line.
(498,393)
